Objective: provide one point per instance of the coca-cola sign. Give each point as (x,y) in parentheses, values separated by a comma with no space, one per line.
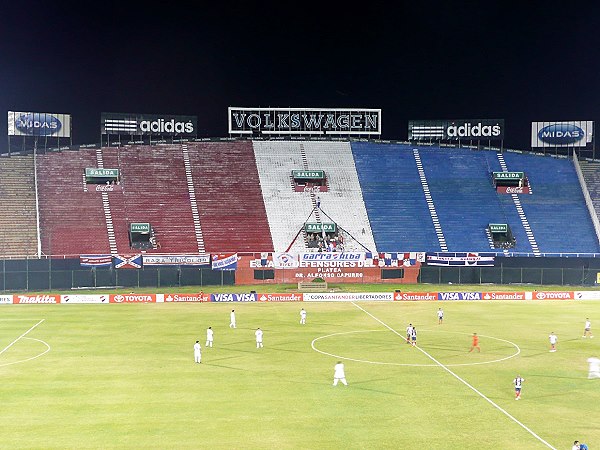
(513,190)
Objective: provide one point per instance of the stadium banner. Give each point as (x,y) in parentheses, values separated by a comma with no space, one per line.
(187,298)
(128,261)
(551,295)
(587,295)
(503,296)
(95,260)
(233,297)
(42,298)
(224,261)
(394,259)
(6,299)
(310,189)
(460,259)
(133,298)
(348,297)
(573,133)
(148,124)
(293,297)
(331,256)
(79,298)
(284,260)
(39,124)
(456,130)
(304,121)
(176,260)
(415,296)
(459,295)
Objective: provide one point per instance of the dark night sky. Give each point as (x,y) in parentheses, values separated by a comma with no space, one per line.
(415,60)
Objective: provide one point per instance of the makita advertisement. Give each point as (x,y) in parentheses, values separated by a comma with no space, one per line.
(148,124)
(39,124)
(574,133)
(456,130)
(304,121)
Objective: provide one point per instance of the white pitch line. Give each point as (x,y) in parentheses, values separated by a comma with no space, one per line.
(499,408)
(20,337)
(33,357)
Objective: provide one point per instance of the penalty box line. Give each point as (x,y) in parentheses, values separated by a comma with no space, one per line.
(20,337)
(491,402)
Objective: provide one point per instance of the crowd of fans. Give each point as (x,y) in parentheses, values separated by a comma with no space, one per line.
(325,242)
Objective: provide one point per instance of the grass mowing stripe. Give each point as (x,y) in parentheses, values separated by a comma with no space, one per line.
(22,336)
(499,408)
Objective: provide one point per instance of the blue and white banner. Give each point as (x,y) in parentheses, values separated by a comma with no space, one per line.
(176,260)
(460,259)
(128,261)
(395,259)
(224,261)
(95,260)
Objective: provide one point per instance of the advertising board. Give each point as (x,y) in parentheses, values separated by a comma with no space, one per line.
(304,121)
(456,130)
(148,124)
(39,124)
(574,133)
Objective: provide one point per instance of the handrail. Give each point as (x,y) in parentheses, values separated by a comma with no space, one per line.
(37,204)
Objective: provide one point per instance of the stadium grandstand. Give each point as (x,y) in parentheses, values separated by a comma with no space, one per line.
(240,195)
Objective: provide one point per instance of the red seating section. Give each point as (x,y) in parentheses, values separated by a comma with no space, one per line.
(72,221)
(155,191)
(230,203)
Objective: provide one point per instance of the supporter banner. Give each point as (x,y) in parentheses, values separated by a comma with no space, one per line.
(547,295)
(460,259)
(6,299)
(284,260)
(348,297)
(415,296)
(85,299)
(195,298)
(304,121)
(455,130)
(224,261)
(395,259)
(128,261)
(44,298)
(95,260)
(176,260)
(331,256)
(503,296)
(513,190)
(573,133)
(149,124)
(39,124)
(280,297)
(133,298)
(233,297)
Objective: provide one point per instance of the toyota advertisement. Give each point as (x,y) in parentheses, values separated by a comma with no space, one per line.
(574,133)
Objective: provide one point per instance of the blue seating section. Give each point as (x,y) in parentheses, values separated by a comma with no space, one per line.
(466,201)
(394,197)
(463,195)
(556,210)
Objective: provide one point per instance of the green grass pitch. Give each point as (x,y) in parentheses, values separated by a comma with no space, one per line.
(123,376)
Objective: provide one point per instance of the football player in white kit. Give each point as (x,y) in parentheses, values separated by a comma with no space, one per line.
(339,374)
(197,352)
(302,316)
(259,338)
(209,337)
